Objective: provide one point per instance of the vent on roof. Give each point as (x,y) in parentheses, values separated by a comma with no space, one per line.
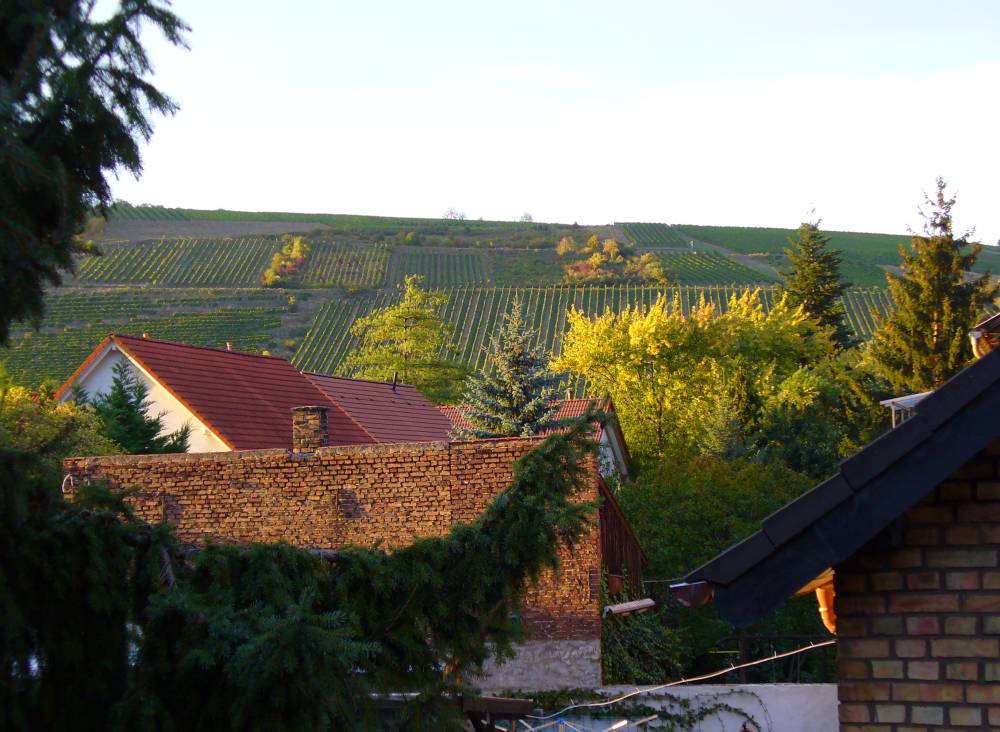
(309,428)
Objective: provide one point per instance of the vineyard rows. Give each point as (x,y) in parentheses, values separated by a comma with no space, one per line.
(862,253)
(123,211)
(349,266)
(476,311)
(36,357)
(654,235)
(83,306)
(441,268)
(706,268)
(205,262)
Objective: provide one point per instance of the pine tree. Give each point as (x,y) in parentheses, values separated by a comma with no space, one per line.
(409,340)
(814,280)
(76,103)
(925,340)
(515,397)
(124,416)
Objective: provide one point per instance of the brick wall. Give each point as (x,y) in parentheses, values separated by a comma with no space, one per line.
(354,495)
(919,613)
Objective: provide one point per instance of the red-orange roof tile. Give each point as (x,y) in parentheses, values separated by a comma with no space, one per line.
(400,414)
(245,398)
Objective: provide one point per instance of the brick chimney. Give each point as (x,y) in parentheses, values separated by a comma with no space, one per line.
(309,428)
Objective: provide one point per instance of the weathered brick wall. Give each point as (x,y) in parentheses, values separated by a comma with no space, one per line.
(919,613)
(354,495)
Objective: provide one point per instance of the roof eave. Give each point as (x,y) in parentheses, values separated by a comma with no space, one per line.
(826,526)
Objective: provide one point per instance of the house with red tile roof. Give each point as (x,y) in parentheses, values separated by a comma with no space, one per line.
(326,462)
(243,401)
(612,450)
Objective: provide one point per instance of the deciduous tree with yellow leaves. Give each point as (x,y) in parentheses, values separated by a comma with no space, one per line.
(702,381)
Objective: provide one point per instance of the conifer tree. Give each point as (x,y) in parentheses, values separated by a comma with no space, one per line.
(515,396)
(925,340)
(124,416)
(814,280)
(75,104)
(409,340)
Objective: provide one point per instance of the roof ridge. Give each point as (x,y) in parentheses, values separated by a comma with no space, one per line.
(216,349)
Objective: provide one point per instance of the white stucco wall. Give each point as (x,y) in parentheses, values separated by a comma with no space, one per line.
(775,707)
(99,377)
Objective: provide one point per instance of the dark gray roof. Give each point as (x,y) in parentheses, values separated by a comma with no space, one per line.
(828,524)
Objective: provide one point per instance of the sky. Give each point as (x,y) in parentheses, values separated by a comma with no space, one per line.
(726,112)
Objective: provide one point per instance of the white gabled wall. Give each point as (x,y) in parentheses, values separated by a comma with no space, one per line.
(611,456)
(99,377)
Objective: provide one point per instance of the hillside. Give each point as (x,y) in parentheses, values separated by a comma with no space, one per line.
(206,289)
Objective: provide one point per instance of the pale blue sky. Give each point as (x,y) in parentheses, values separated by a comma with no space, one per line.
(694,112)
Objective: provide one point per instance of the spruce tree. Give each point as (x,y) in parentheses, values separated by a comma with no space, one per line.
(124,416)
(515,395)
(925,340)
(814,280)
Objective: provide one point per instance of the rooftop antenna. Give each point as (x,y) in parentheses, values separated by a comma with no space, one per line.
(229,345)
(395,376)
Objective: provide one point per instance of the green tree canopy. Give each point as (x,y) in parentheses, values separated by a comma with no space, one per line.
(34,422)
(814,280)
(262,637)
(123,414)
(409,340)
(925,340)
(74,105)
(516,394)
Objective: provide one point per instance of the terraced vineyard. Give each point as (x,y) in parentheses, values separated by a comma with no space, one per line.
(475,312)
(82,306)
(124,211)
(77,320)
(349,266)
(654,235)
(36,357)
(440,268)
(199,262)
(705,268)
(862,253)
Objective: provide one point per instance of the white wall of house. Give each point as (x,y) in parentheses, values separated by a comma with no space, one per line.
(99,376)
(774,707)
(611,456)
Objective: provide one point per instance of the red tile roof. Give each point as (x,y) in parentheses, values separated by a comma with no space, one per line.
(400,414)
(247,399)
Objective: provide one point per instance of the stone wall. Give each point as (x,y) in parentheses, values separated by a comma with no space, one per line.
(919,613)
(337,496)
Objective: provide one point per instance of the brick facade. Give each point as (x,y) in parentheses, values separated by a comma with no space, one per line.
(337,496)
(918,613)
